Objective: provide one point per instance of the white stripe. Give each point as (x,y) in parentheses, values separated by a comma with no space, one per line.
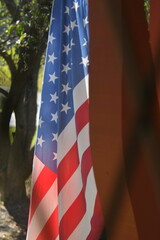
(80,93)
(66,140)
(43,212)
(69,192)
(37,168)
(73,186)
(68,136)
(83,140)
(84,227)
(91,193)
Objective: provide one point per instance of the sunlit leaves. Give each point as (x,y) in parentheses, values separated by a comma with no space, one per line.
(21,35)
(147,8)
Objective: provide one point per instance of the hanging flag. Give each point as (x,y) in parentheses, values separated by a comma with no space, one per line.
(64,202)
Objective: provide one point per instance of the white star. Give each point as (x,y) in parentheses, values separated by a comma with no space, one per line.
(65,108)
(51,38)
(73,25)
(52,77)
(40,141)
(67,10)
(66,68)
(75,5)
(54,117)
(85,21)
(54,97)
(55,156)
(66,88)
(55,136)
(72,43)
(66,49)
(67,29)
(40,122)
(85,42)
(52,58)
(85,61)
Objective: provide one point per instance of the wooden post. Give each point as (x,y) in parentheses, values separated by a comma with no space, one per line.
(106,118)
(120,68)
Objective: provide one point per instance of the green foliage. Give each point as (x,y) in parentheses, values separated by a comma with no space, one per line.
(5,21)
(12,131)
(22,33)
(147,8)
(5,75)
(40,78)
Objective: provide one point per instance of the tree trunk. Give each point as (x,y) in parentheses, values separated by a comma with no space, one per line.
(18,155)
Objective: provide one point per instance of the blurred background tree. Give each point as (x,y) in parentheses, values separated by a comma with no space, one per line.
(23,36)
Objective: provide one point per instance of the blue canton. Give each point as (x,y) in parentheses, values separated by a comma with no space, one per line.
(66,65)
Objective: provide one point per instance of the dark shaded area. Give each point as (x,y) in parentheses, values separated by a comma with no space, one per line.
(4,92)
(19,212)
(104,234)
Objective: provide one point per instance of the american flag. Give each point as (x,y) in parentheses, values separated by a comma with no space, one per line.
(64,202)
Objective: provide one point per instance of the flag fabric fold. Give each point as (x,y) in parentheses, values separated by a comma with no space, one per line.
(64,202)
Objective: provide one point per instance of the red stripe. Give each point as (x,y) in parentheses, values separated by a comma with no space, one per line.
(81,116)
(97,222)
(40,188)
(50,230)
(72,217)
(77,210)
(67,166)
(86,166)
